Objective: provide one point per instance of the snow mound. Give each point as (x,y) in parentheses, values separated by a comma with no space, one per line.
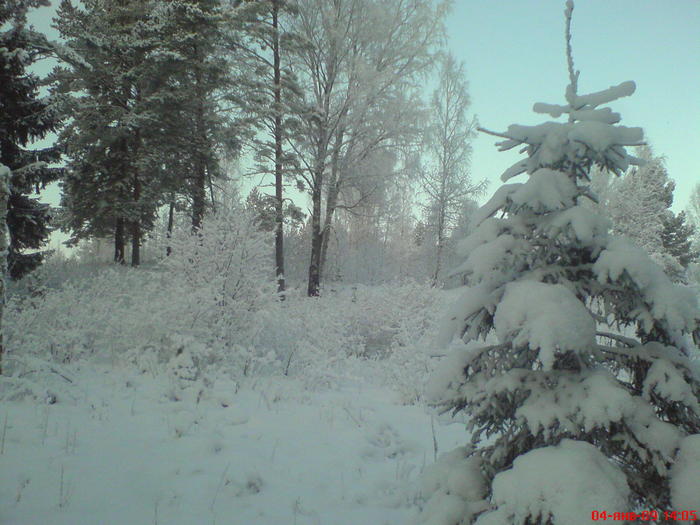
(597,401)
(448,378)
(577,476)
(545,317)
(485,260)
(453,488)
(470,303)
(685,477)
(667,382)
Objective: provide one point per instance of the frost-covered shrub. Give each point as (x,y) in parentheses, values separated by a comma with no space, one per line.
(356,331)
(390,316)
(374,334)
(211,306)
(56,270)
(205,303)
(223,273)
(583,389)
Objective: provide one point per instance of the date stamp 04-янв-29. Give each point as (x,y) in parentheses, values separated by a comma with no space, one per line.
(645,515)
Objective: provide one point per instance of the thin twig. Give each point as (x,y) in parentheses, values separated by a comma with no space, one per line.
(4,433)
(218,489)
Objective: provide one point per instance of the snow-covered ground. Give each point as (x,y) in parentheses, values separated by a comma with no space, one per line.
(120,448)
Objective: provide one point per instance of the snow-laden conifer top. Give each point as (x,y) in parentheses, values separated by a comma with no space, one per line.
(576,379)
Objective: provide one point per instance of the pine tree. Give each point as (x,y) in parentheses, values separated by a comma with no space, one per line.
(269,94)
(24,118)
(584,396)
(104,71)
(196,93)
(677,239)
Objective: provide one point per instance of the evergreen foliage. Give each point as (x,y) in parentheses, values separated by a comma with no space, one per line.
(584,389)
(25,117)
(198,94)
(639,205)
(270,98)
(677,239)
(112,182)
(149,87)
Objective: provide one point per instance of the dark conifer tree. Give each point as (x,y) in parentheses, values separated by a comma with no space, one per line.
(25,116)
(111,181)
(198,104)
(677,239)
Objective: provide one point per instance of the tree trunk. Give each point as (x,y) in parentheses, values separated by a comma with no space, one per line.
(316,240)
(4,245)
(199,194)
(211,188)
(331,205)
(331,200)
(279,202)
(136,225)
(169,233)
(119,241)
(440,245)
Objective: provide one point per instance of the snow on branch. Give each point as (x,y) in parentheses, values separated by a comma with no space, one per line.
(592,100)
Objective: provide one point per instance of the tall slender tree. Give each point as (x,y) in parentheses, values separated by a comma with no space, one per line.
(446,179)
(4,242)
(269,93)
(196,88)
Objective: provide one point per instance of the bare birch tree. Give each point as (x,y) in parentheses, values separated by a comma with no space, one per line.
(446,180)
(361,70)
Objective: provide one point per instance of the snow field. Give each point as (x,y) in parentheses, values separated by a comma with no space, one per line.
(123,450)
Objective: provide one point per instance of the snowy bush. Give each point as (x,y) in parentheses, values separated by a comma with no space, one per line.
(331,338)
(205,304)
(211,306)
(222,274)
(583,390)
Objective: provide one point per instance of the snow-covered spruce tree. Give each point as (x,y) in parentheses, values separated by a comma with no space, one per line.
(583,396)
(25,117)
(118,91)
(639,205)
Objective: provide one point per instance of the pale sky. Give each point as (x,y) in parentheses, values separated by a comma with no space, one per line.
(514,56)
